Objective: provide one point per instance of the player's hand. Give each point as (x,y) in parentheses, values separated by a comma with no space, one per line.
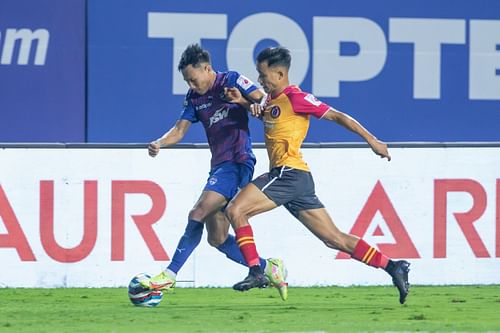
(380,148)
(233,95)
(256,110)
(154,148)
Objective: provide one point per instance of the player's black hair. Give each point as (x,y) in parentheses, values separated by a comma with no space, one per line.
(275,56)
(193,55)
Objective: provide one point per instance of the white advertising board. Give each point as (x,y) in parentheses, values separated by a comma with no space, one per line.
(96,217)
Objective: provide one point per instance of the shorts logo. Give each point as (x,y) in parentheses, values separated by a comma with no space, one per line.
(212,180)
(275,112)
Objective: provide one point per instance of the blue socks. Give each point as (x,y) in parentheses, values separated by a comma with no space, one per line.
(231,249)
(188,242)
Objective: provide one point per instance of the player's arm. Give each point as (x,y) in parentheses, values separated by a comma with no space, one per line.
(171,137)
(241,90)
(256,96)
(378,147)
(252,102)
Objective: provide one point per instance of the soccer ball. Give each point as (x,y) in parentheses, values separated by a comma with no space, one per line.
(140,296)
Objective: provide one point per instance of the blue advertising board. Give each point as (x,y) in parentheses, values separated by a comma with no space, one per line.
(42,70)
(414,71)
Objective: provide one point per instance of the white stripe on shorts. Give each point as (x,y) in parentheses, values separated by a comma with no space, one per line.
(283,169)
(268,184)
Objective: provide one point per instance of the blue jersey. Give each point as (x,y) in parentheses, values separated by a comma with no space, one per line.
(226,124)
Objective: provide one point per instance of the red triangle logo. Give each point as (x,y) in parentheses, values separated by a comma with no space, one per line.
(378,232)
(379,201)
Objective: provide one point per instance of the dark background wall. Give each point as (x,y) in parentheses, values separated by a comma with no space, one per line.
(42,98)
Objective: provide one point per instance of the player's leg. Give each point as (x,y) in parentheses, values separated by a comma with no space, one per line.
(248,202)
(274,268)
(217,227)
(263,194)
(226,180)
(221,185)
(319,222)
(208,203)
(218,237)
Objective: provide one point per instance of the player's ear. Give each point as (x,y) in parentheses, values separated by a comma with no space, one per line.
(281,74)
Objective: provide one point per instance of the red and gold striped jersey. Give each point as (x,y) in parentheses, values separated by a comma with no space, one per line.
(286,122)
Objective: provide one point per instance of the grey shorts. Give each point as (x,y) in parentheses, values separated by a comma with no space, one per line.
(289,187)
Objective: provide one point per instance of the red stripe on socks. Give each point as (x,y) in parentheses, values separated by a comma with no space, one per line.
(369,255)
(244,238)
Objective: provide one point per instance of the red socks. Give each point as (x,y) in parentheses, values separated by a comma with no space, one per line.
(244,238)
(362,252)
(369,255)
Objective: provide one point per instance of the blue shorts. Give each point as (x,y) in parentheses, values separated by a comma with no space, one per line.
(228,177)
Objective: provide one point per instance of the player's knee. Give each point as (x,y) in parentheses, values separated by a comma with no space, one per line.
(197,214)
(233,213)
(334,242)
(216,240)
(331,245)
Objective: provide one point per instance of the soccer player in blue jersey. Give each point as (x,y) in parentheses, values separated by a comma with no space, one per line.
(232,163)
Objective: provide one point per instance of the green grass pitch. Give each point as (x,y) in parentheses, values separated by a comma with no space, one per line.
(321,309)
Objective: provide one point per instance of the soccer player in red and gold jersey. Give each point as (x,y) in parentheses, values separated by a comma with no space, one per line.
(286,112)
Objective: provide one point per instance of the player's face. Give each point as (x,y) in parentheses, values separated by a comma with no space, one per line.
(198,78)
(269,77)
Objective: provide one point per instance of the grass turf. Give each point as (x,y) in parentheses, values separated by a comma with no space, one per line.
(321,309)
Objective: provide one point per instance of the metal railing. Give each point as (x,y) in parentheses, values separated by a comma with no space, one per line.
(60,145)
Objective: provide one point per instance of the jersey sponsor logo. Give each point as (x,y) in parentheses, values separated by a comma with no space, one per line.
(275,112)
(312,99)
(203,106)
(219,115)
(244,82)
